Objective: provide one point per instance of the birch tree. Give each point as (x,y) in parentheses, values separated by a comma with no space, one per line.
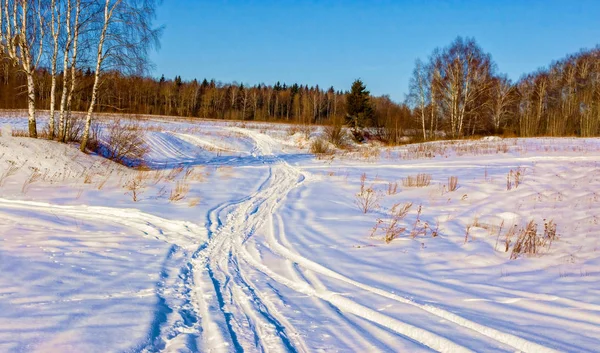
(420,93)
(22,37)
(55,27)
(124,38)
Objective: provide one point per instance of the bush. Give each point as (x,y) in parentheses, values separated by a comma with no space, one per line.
(319,146)
(335,134)
(124,143)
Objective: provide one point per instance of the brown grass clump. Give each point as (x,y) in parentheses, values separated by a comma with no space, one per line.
(368,198)
(528,241)
(392,188)
(391,227)
(419,180)
(136,185)
(452,183)
(319,147)
(514,178)
(182,187)
(335,134)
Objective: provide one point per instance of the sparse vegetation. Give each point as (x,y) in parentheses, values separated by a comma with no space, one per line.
(136,185)
(528,241)
(391,226)
(420,180)
(514,178)
(124,143)
(368,198)
(319,147)
(452,183)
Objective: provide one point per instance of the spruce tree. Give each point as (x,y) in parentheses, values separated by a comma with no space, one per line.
(359,111)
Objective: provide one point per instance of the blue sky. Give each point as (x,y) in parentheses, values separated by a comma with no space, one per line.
(331,43)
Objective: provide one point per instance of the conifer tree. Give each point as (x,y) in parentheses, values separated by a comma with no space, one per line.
(359,111)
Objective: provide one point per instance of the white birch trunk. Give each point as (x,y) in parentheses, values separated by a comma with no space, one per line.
(55,34)
(100,57)
(63,98)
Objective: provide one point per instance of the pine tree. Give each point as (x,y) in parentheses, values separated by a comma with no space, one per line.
(359,111)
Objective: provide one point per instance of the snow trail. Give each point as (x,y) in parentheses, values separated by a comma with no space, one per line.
(258,211)
(219,289)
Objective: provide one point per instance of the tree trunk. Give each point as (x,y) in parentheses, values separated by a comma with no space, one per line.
(100,58)
(31,105)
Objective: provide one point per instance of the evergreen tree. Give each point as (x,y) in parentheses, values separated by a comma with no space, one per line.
(359,111)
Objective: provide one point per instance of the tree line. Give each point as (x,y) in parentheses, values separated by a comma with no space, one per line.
(458,90)
(136,94)
(91,56)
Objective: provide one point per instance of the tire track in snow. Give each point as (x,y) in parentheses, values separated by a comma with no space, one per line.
(176,318)
(264,145)
(232,292)
(256,212)
(506,338)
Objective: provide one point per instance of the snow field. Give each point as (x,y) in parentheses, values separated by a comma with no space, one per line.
(267,250)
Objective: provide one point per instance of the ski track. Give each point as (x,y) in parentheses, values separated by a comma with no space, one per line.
(246,320)
(208,297)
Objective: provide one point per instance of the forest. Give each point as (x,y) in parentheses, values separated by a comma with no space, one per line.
(456,92)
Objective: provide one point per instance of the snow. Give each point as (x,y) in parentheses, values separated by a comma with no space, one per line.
(268,251)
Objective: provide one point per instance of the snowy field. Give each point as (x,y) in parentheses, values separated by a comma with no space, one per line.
(238,239)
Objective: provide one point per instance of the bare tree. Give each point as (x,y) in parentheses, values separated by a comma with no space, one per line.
(22,36)
(463,82)
(71,32)
(420,93)
(502,99)
(55,26)
(124,39)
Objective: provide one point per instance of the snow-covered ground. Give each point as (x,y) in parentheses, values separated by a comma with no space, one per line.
(267,249)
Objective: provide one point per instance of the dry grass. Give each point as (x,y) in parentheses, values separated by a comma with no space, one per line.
(335,134)
(452,183)
(391,227)
(102,182)
(319,147)
(368,198)
(514,178)
(182,187)
(136,185)
(33,177)
(12,170)
(174,173)
(528,241)
(392,188)
(420,180)
(193,202)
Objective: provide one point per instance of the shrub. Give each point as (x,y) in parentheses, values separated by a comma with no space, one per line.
(367,199)
(319,146)
(335,134)
(124,143)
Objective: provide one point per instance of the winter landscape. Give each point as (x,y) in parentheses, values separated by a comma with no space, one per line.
(267,248)
(144,208)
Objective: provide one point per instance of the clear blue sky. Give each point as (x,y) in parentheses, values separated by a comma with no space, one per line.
(331,43)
